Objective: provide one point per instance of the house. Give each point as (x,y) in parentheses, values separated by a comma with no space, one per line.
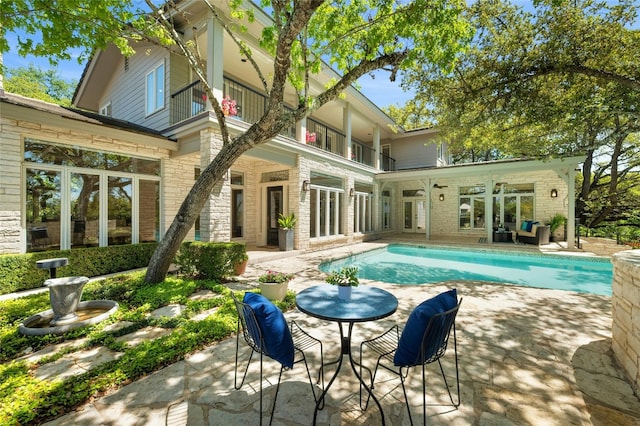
(115,169)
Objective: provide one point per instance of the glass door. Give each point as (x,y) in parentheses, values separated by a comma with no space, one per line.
(274,208)
(414,214)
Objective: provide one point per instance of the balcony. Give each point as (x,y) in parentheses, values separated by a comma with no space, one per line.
(191,100)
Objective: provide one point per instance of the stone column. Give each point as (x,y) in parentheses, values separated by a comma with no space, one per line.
(215,218)
(625,308)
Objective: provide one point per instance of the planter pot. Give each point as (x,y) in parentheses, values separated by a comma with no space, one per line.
(344,292)
(274,291)
(285,239)
(240,268)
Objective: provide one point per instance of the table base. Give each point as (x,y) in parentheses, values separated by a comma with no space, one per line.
(345,349)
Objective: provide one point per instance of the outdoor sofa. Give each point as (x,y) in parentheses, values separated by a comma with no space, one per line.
(533,233)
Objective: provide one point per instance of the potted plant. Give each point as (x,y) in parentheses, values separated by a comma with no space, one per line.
(345,278)
(240,265)
(274,284)
(554,223)
(286,224)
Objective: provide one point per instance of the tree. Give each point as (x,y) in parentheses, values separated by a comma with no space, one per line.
(37,84)
(354,37)
(558,81)
(415,114)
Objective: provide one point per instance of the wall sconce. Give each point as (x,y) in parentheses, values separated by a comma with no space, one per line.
(352,192)
(554,193)
(306,186)
(441,197)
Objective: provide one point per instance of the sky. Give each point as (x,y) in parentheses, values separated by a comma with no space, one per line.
(379,90)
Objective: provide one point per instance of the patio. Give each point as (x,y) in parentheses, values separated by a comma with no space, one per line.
(527,356)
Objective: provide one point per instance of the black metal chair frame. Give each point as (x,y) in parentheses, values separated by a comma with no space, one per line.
(301,340)
(385,347)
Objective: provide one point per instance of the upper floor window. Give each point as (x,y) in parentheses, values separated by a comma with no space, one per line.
(106,110)
(155,89)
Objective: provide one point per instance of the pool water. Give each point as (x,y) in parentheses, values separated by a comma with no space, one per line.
(404,264)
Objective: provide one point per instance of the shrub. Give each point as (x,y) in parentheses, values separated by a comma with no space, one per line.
(209,260)
(18,271)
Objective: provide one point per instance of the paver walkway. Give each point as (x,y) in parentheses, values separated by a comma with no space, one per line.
(527,357)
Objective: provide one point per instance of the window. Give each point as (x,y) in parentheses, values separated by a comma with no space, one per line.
(108,198)
(327,198)
(106,110)
(237,204)
(512,204)
(386,210)
(155,90)
(362,209)
(471,207)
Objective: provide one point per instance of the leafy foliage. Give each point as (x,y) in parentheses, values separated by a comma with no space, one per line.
(556,80)
(37,84)
(25,399)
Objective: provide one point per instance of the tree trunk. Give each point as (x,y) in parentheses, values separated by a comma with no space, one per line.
(190,210)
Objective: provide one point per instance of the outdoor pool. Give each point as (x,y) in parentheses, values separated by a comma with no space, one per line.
(405,264)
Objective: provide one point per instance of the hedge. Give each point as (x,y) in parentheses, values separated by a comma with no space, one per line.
(18,271)
(206,260)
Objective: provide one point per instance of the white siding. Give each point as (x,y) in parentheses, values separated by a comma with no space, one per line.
(414,152)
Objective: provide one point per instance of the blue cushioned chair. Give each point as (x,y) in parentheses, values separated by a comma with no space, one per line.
(423,340)
(266,331)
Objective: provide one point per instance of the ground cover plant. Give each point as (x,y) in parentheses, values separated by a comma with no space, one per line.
(24,399)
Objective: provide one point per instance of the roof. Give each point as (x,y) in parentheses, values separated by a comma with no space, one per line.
(76,114)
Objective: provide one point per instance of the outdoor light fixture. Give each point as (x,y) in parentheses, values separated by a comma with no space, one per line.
(352,193)
(306,185)
(441,197)
(554,193)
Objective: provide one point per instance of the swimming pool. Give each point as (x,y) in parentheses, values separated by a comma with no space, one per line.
(405,264)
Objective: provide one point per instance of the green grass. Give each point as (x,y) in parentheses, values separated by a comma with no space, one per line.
(27,400)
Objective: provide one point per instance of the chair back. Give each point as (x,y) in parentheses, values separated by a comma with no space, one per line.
(248,322)
(436,335)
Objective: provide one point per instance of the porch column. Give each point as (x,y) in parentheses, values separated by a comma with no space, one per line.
(301,131)
(488,210)
(376,146)
(215,218)
(346,124)
(350,206)
(428,187)
(571,208)
(215,46)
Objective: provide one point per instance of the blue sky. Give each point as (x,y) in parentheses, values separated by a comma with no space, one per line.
(380,90)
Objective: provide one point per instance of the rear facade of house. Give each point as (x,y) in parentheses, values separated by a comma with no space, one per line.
(116,169)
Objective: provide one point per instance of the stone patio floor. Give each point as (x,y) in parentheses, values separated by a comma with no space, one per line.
(527,356)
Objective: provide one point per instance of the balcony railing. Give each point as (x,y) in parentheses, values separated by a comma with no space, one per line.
(191,100)
(325,137)
(387,163)
(362,153)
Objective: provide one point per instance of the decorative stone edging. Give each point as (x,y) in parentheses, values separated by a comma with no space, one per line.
(625,310)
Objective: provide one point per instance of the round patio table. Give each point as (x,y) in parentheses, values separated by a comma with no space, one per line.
(366,304)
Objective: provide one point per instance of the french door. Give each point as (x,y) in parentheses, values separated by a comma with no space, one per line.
(414,213)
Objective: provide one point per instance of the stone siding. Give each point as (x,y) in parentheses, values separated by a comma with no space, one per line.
(625,306)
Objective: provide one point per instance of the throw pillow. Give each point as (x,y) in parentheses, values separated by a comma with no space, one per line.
(529,225)
(278,343)
(409,346)
(523,227)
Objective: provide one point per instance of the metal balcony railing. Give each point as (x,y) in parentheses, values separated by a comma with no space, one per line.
(325,137)
(191,100)
(362,153)
(387,163)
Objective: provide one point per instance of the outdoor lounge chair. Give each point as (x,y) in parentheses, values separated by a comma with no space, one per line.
(536,233)
(423,340)
(265,330)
